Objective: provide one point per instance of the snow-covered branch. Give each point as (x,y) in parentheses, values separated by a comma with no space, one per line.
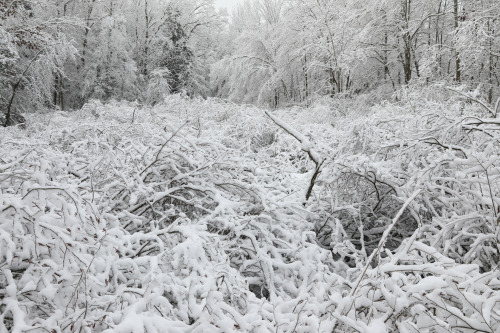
(306,146)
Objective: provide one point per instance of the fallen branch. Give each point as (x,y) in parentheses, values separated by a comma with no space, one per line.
(485,105)
(306,146)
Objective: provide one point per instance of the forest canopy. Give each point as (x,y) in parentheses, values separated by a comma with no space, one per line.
(267,52)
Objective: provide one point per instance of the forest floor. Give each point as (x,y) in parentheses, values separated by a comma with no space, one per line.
(191,216)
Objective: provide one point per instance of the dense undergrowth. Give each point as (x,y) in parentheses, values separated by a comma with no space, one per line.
(191,217)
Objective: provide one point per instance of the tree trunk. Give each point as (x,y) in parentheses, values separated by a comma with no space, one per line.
(458,73)
(8,115)
(86,32)
(146,39)
(407,41)
(305,77)
(490,68)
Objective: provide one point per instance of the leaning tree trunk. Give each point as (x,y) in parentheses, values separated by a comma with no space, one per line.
(8,114)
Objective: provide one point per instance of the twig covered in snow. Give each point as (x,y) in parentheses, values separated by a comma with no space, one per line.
(382,242)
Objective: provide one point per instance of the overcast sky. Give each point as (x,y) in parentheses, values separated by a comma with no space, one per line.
(229,4)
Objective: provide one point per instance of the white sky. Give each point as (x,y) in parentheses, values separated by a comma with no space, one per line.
(229,4)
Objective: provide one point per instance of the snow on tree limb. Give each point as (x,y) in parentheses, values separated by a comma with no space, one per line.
(474,96)
(306,146)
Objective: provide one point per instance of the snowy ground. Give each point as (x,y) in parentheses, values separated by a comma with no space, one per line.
(191,217)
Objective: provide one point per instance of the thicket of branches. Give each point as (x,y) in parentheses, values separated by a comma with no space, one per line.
(292,51)
(62,54)
(192,215)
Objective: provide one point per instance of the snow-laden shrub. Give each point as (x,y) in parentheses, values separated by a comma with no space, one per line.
(128,222)
(190,217)
(375,161)
(418,289)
